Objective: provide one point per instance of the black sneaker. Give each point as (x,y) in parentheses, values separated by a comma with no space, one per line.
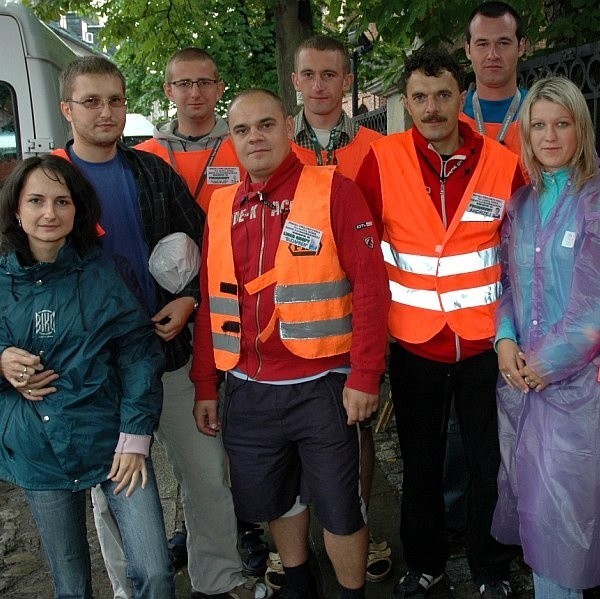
(177,547)
(496,590)
(415,584)
(253,549)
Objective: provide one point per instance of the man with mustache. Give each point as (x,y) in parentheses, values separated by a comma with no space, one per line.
(437,194)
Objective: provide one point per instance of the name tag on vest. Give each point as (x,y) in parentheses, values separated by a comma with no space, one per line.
(222,175)
(302,236)
(483,208)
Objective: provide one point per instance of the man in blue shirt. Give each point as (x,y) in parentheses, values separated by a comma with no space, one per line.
(494,43)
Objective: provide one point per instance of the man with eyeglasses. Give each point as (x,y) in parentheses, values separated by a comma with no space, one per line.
(143,200)
(196,143)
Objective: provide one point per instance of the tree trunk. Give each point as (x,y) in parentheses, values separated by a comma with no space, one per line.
(293,23)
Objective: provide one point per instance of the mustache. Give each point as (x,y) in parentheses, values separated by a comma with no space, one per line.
(433,118)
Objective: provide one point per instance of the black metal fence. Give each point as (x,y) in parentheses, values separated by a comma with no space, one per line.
(375,119)
(581,65)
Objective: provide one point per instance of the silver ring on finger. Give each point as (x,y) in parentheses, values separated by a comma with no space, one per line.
(24,369)
(507,375)
(30,391)
(20,376)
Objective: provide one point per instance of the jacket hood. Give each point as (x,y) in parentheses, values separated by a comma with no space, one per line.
(167,131)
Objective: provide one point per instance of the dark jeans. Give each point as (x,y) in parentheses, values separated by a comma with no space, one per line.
(422,390)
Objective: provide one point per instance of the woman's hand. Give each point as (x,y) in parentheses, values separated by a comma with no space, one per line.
(127,469)
(510,362)
(25,372)
(532,379)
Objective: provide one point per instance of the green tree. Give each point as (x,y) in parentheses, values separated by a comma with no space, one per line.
(549,24)
(243,35)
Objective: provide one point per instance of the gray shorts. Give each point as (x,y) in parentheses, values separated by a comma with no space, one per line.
(290,440)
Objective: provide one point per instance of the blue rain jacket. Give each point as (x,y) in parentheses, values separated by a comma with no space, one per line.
(95,334)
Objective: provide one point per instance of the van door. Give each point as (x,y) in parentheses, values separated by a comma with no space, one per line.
(16,115)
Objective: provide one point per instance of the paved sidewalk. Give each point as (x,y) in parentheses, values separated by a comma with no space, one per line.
(24,575)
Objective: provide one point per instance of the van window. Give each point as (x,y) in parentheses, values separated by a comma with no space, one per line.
(9,140)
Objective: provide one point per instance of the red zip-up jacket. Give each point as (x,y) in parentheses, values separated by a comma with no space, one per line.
(445,185)
(256,230)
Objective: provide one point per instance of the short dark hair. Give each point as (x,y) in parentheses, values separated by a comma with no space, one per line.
(254,91)
(323,43)
(494,10)
(432,62)
(87,65)
(190,53)
(84,236)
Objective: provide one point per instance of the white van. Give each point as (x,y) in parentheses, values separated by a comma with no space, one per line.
(32,58)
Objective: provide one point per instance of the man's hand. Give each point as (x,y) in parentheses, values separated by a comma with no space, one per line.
(127,469)
(510,362)
(206,414)
(174,317)
(359,405)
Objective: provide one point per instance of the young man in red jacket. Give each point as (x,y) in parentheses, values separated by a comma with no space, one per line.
(438,194)
(294,302)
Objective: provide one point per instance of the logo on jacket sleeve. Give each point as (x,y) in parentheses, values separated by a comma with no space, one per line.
(45,325)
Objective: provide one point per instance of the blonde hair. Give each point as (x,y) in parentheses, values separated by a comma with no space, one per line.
(561,91)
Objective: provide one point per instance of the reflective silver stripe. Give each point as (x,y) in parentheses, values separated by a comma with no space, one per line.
(311,292)
(441,267)
(449,301)
(418,298)
(471,298)
(471,262)
(224,306)
(316,330)
(224,342)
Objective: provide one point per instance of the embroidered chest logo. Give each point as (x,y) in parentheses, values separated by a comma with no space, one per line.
(45,325)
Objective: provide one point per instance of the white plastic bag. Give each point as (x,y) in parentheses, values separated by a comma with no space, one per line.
(174,262)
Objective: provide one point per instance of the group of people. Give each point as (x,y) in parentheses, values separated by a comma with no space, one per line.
(322,244)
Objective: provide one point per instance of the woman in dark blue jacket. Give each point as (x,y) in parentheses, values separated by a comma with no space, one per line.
(69,320)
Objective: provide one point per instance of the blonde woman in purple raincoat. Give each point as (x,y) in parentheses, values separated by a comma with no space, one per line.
(548,344)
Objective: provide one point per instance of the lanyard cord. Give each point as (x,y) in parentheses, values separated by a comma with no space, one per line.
(208,163)
(334,137)
(510,115)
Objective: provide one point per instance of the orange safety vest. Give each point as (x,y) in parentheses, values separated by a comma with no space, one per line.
(349,158)
(313,298)
(512,140)
(223,170)
(442,276)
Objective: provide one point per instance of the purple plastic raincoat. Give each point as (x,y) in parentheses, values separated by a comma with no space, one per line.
(549,479)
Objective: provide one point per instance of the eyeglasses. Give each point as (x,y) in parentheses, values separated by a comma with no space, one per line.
(96,103)
(189,83)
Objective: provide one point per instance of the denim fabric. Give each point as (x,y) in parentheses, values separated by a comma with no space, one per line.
(60,517)
(199,465)
(545,588)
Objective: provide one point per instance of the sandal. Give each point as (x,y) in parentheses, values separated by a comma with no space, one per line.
(379,564)
(274,576)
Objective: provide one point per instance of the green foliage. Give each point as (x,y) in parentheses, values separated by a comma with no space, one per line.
(239,34)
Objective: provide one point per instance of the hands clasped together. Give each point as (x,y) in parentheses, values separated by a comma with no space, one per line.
(25,372)
(511,361)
